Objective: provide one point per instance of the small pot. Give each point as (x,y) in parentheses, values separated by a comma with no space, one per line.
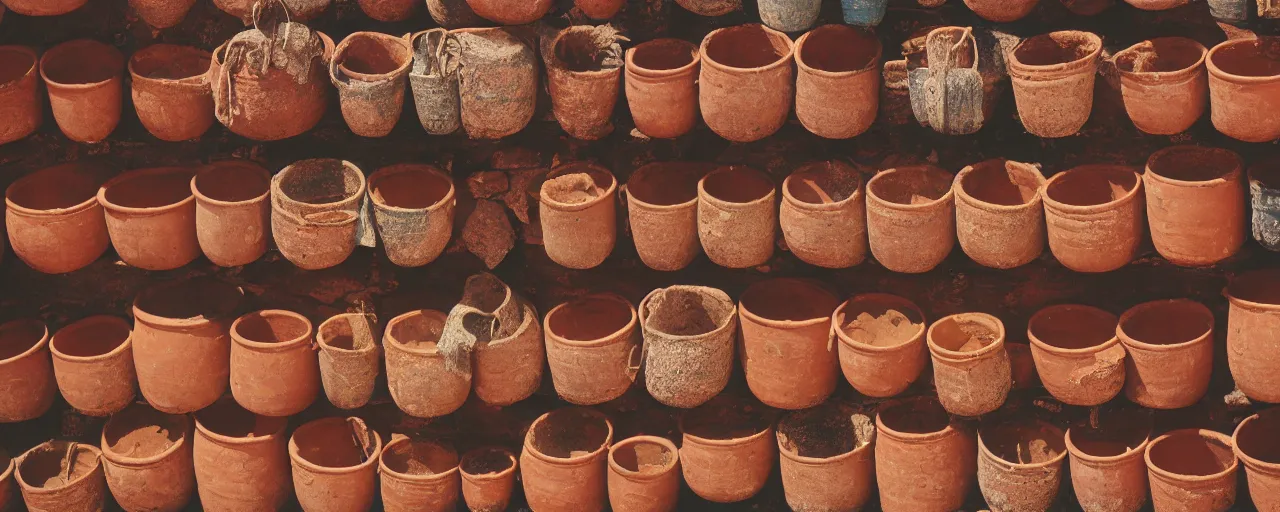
(911,220)
(644,475)
(864,13)
(418,476)
(599,9)
(689,334)
(84,78)
(148,460)
(413,208)
(29,386)
(62,476)
(420,383)
(728,450)
(511,12)
(44,7)
(592,348)
(335,464)
(662,88)
(577,208)
(271,105)
(1264,188)
(93,364)
(497,80)
(824,215)
(274,367)
(746,83)
(838,83)
(1108,473)
(488,477)
(369,70)
(453,14)
(924,459)
(299,10)
(1020,464)
(1255,445)
(434,82)
(789,15)
(710,7)
(233,214)
(241,459)
(171,90)
(1077,353)
(737,216)
(19,93)
(971,368)
(999,213)
(882,345)
(55,222)
(1170,345)
(1244,79)
(564,461)
(1164,84)
(388,10)
(315,211)
(583,80)
(349,358)
(1252,322)
(1002,11)
(1195,204)
(787,354)
(822,446)
(1157,5)
(662,211)
(151,217)
(1053,76)
(1192,471)
(1094,215)
(182,342)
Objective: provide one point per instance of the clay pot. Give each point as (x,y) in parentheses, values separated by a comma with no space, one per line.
(1255,445)
(1244,79)
(271,105)
(592,348)
(315,211)
(583,73)
(29,386)
(999,213)
(895,96)
(924,461)
(564,461)
(413,208)
(508,369)
(1264,188)
(93,364)
(1002,11)
(1107,468)
(1192,470)
(162,13)
(233,214)
(1094,216)
(1170,345)
(369,70)
(787,354)
(453,14)
(662,210)
(826,445)
(148,460)
(1164,84)
(274,368)
(349,358)
(911,220)
(420,383)
(335,464)
(44,7)
(882,345)
(497,81)
(300,10)
(746,82)
(838,83)
(84,78)
(728,450)
(864,13)
(824,215)
(577,210)
(1235,12)
(789,15)
(710,7)
(488,477)
(1020,464)
(1253,319)
(1077,353)
(737,216)
(182,342)
(689,334)
(599,9)
(971,368)
(54,220)
(511,12)
(1195,204)
(388,10)
(20,102)
(1053,76)
(171,91)
(241,459)
(150,216)
(434,82)
(644,475)
(418,476)
(62,476)
(1157,5)
(662,89)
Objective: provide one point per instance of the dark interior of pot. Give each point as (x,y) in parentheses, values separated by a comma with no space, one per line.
(334,443)
(922,415)
(825,431)
(419,330)
(271,327)
(48,466)
(681,311)
(1246,58)
(1116,433)
(1267,174)
(419,458)
(374,54)
(965,333)
(1056,48)
(880,322)
(1256,439)
(195,298)
(59,187)
(91,337)
(795,300)
(590,318)
(5,461)
(487,461)
(1161,55)
(320,181)
(233,181)
(1167,322)
(911,185)
(1193,163)
(151,189)
(170,62)
(229,419)
(570,432)
(839,48)
(725,419)
(587,48)
(82,62)
(666,183)
(1002,182)
(412,187)
(19,336)
(1024,442)
(1092,185)
(1073,327)
(737,184)
(141,432)
(348,332)
(644,456)
(664,54)
(15,64)
(1259,286)
(748,47)
(1191,453)
(823,183)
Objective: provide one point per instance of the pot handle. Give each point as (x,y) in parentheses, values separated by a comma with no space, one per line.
(635,359)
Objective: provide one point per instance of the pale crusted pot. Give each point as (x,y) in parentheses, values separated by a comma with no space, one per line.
(1077,353)
(728,450)
(577,208)
(1264,190)
(1094,216)
(1020,464)
(788,353)
(241,459)
(20,100)
(1195,204)
(420,383)
(315,211)
(1053,76)
(62,476)
(233,214)
(271,105)
(182,342)
(497,81)
(824,215)
(1164,84)
(171,91)
(54,220)
(509,370)
(93,364)
(999,213)
(565,460)
(418,475)
(971,367)
(148,460)
(369,70)
(488,477)
(1192,471)
(335,464)
(151,217)
(1002,11)
(274,367)
(924,460)
(911,220)
(882,345)
(747,81)
(661,85)
(593,348)
(838,80)
(511,12)
(826,445)
(44,7)
(583,79)
(689,334)
(662,211)
(434,82)
(1257,446)
(1108,472)
(1170,345)
(413,208)
(789,15)
(85,81)
(1244,79)
(26,371)
(644,475)
(1252,326)
(737,216)
(349,358)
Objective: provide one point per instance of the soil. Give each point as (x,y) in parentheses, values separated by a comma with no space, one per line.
(49,467)
(144,441)
(645,458)
(569,433)
(486,462)
(887,329)
(826,431)
(419,458)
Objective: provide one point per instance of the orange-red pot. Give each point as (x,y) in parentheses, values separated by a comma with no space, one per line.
(838,80)
(1095,217)
(1020,464)
(335,464)
(26,371)
(488,477)
(1077,354)
(20,101)
(274,367)
(662,88)
(1196,204)
(233,214)
(420,383)
(824,445)
(241,459)
(999,213)
(593,348)
(1252,322)
(728,450)
(1192,471)
(55,222)
(151,217)
(644,475)
(1258,448)
(747,81)
(564,462)
(971,367)
(787,354)
(924,460)
(882,345)
(1170,345)
(85,81)
(93,364)
(148,461)
(1164,84)
(418,476)
(182,342)
(1108,472)
(911,219)
(824,215)
(737,216)
(171,91)
(62,476)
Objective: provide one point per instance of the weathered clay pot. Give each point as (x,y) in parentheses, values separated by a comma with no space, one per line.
(826,445)
(272,104)
(420,384)
(710,7)
(787,354)
(1094,216)
(171,91)
(661,85)
(1195,204)
(506,366)
(838,80)
(662,211)
(864,13)
(1252,324)
(1020,464)
(1002,11)
(163,13)
(369,70)
(583,73)
(418,475)
(20,101)
(789,15)
(413,207)
(1053,76)
(644,475)
(182,342)
(924,461)
(599,9)
(54,220)
(335,464)
(728,450)
(511,12)
(564,462)
(150,216)
(84,78)
(1157,5)
(882,346)
(895,95)
(349,358)
(689,334)
(44,7)
(1244,79)
(1164,84)
(593,348)
(1192,471)
(241,459)
(1170,345)
(62,476)
(999,213)
(488,477)
(1108,472)
(497,80)
(824,215)
(388,10)
(453,14)
(233,214)
(315,211)
(911,220)
(93,364)
(1077,353)
(1236,12)
(737,216)
(1255,444)
(274,367)
(26,371)
(434,82)
(148,460)
(577,208)
(298,9)
(1264,189)
(971,368)
(746,83)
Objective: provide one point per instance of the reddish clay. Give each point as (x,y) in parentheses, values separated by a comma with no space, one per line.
(1053,76)
(148,460)
(689,334)
(564,462)
(728,450)
(93,364)
(711,7)
(453,14)
(171,90)
(971,367)
(1170,345)
(241,459)
(511,12)
(420,383)
(1020,464)
(824,215)
(662,210)
(1244,79)
(20,102)
(488,477)
(413,209)
(1094,215)
(583,71)
(349,358)
(182,342)
(85,79)
(369,70)
(55,222)
(599,9)
(1192,471)
(1196,204)
(882,346)
(6,479)
(1251,326)
(838,80)
(1157,5)
(1002,11)
(388,10)
(508,367)
(737,216)
(26,372)
(1077,353)
(746,83)
(644,475)
(150,216)
(593,348)
(661,85)
(1164,84)
(911,220)
(44,7)
(62,476)
(1107,468)
(232,211)
(787,354)
(286,100)
(335,464)
(418,475)
(1257,446)
(924,460)
(999,213)
(577,207)
(826,445)
(162,13)
(299,10)
(498,79)
(315,211)
(274,367)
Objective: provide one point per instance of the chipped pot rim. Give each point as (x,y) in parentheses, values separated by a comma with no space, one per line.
(957,356)
(141,314)
(947,198)
(840,314)
(1206,435)
(1129,196)
(963,196)
(321,338)
(814,168)
(125,460)
(391,340)
(423,478)
(337,71)
(637,475)
(220,165)
(1159,77)
(1220,74)
(507,472)
(1234,175)
(1018,466)
(298,460)
(729,323)
(618,336)
(52,445)
(282,424)
(1109,460)
(1037,343)
(195,82)
(588,168)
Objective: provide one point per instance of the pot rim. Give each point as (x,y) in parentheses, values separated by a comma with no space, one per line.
(703,195)
(918,337)
(1011,466)
(147,317)
(30,489)
(1250,462)
(798,49)
(724,443)
(1162,76)
(952,355)
(142,173)
(589,168)
(124,460)
(609,339)
(786,324)
(1067,68)
(1131,344)
(353,199)
(42,344)
(1218,73)
(1233,175)
(34,70)
(1059,351)
(82,323)
(280,346)
(1202,434)
(729,322)
(390,170)
(636,475)
(784,60)
(373,347)
(1052,204)
(509,472)
(881,428)
(569,461)
(31,212)
(632,68)
(338,70)
(794,201)
(645,205)
(431,477)
(553,62)
(212,167)
(964,196)
(118,66)
(1076,453)
(948,197)
(822,461)
(245,440)
(325,41)
(1246,303)
(316,468)
(195,81)
(389,339)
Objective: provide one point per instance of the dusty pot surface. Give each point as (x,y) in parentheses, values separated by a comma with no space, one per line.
(819,446)
(882,345)
(838,80)
(434,81)
(728,450)
(1244,79)
(787,354)
(274,367)
(746,83)
(498,81)
(1164,84)
(488,477)
(241,459)
(1108,472)
(1192,470)
(1256,446)
(277,99)
(335,464)
(420,383)
(662,211)
(710,7)
(511,12)
(233,214)
(1053,76)
(388,10)
(689,334)
(593,348)
(1020,464)
(824,215)
(1002,11)
(1077,353)
(418,475)
(1094,215)
(349,358)
(54,220)
(20,101)
(971,367)
(493,335)
(1251,326)
(151,217)
(315,211)
(301,10)
(583,73)
(85,80)
(737,216)
(148,459)
(171,90)
(564,461)
(44,7)
(1264,189)
(661,85)
(182,342)
(577,208)
(911,220)
(790,15)
(93,364)
(924,461)
(1170,345)
(1195,204)
(999,213)
(62,476)
(369,70)
(644,475)
(28,382)
(413,208)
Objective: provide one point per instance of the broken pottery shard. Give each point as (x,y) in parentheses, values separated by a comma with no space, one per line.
(488,233)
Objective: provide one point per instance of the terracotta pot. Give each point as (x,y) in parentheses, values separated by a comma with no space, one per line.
(822,446)
(62,476)
(84,78)
(1020,464)
(737,216)
(924,460)
(413,208)
(1157,5)
(662,89)
(315,211)
(787,350)
(273,105)
(1255,445)
(233,214)
(28,382)
(434,82)
(274,367)
(497,81)
(689,334)
(182,342)
(1192,470)
(882,346)
(728,450)
(1077,353)
(241,459)
(418,476)
(564,461)
(508,368)
(420,383)
(710,7)
(599,9)
(150,216)
(789,15)
(349,358)
(54,220)
(20,101)
(592,348)
(1170,345)
(1264,188)
(577,210)
(1251,324)
(644,475)
(369,70)
(488,477)
(864,13)
(1244,79)
(838,82)
(171,90)
(93,364)
(911,220)
(999,213)
(388,10)
(162,13)
(44,7)
(1107,468)
(6,479)
(1234,12)
(895,96)
(1164,84)
(824,215)
(1002,11)
(453,14)
(746,82)
(511,12)
(662,210)
(583,73)
(1195,204)
(299,10)
(971,368)
(148,460)
(1094,216)
(335,464)
(1053,76)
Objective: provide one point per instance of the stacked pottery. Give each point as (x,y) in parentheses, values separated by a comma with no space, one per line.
(488,477)
(662,212)
(1002,11)
(1192,470)
(882,343)
(747,81)
(1256,446)
(282,99)
(583,71)
(85,82)
(335,464)
(1108,472)
(233,214)
(924,461)
(20,101)
(171,91)
(1094,215)
(368,68)
(787,354)
(54,220)
(592,348)
(728,450)
(413,208)
(1053,76)
(434,81)
(1252,322)
(93,364)
(241,459)
(824,215)
(578,212)
(274,369)
(837,83)
(971,367)
(44,7)
(911,218)
(316,208)
(1264,190)
(148,460)
(497,80)
(689,334)
(661,87)
(511,12)
(564,461)
(417,376)
(1020,464)
(1164,84)
(1077,354)
(62,476)
(826,445)
(1170,346)
(418,475)
(28,382)
(1195,204)
(999,213)
(151,217)
(182,342)
(349,358)
(644,475)
(737,216)
(1244,79)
